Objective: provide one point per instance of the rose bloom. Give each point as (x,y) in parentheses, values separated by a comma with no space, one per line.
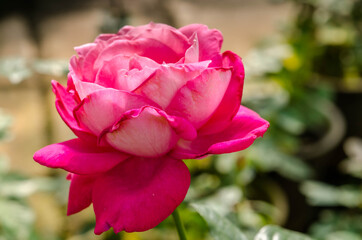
(139,102)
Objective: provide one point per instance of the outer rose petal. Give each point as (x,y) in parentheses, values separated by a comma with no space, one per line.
(230,103)
(79,157)
(75,71)
(80,192)
(200,97)
(145,47)
(210,41)
(239,135)
(105,37)
(86,88)
(139,194)
(87,63)
(162,33)
(84,49)
(80,68)
(101,109)
(117,47)
(65,105)
(146,132)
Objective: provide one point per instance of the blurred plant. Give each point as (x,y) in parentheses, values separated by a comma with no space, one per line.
(344,223)
(290,80)
(353,164)
(223,229)
(335,225)
(14,69)
(322,194)
(329,33)
(17,69)
(16,218)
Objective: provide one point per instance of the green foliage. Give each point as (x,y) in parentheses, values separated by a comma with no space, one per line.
(277,233)
(223,229)
(334,225)
(17,218)
(321,194)
(267,156)
(220,228)
(17,69)
(291,81)
(353,164)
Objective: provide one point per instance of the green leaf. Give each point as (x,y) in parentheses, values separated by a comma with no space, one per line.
(16,220)
(267,156)
(343,235)
(271,232)
(15,69)
(322,194)
(220,227)
(20,188)
(332,223)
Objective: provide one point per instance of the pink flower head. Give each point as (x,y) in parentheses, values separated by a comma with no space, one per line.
(139,102)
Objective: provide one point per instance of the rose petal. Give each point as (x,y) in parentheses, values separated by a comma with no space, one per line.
(80,192)
(131,80)
(81,68)
(125,72)
(230,103)
(117,47)
(65,105)
(239,135)
(84,49)
(210,42)
(164,34)
(75,71)
(107,73)
(144,132)
(79,157)
(200,97)
(86,88)
(139,194)
(192,53)
(181,126)
(141,62)
(101,109)
(162,86)
(104,37)
(87,64)
(145,47)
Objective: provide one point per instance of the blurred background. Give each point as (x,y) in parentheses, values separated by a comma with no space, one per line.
(303,61)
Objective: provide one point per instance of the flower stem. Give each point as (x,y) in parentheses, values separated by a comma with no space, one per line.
(179,226)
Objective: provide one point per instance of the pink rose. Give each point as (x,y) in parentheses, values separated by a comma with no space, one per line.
(139,101)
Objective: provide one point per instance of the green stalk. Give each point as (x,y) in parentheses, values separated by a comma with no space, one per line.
(179,226)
